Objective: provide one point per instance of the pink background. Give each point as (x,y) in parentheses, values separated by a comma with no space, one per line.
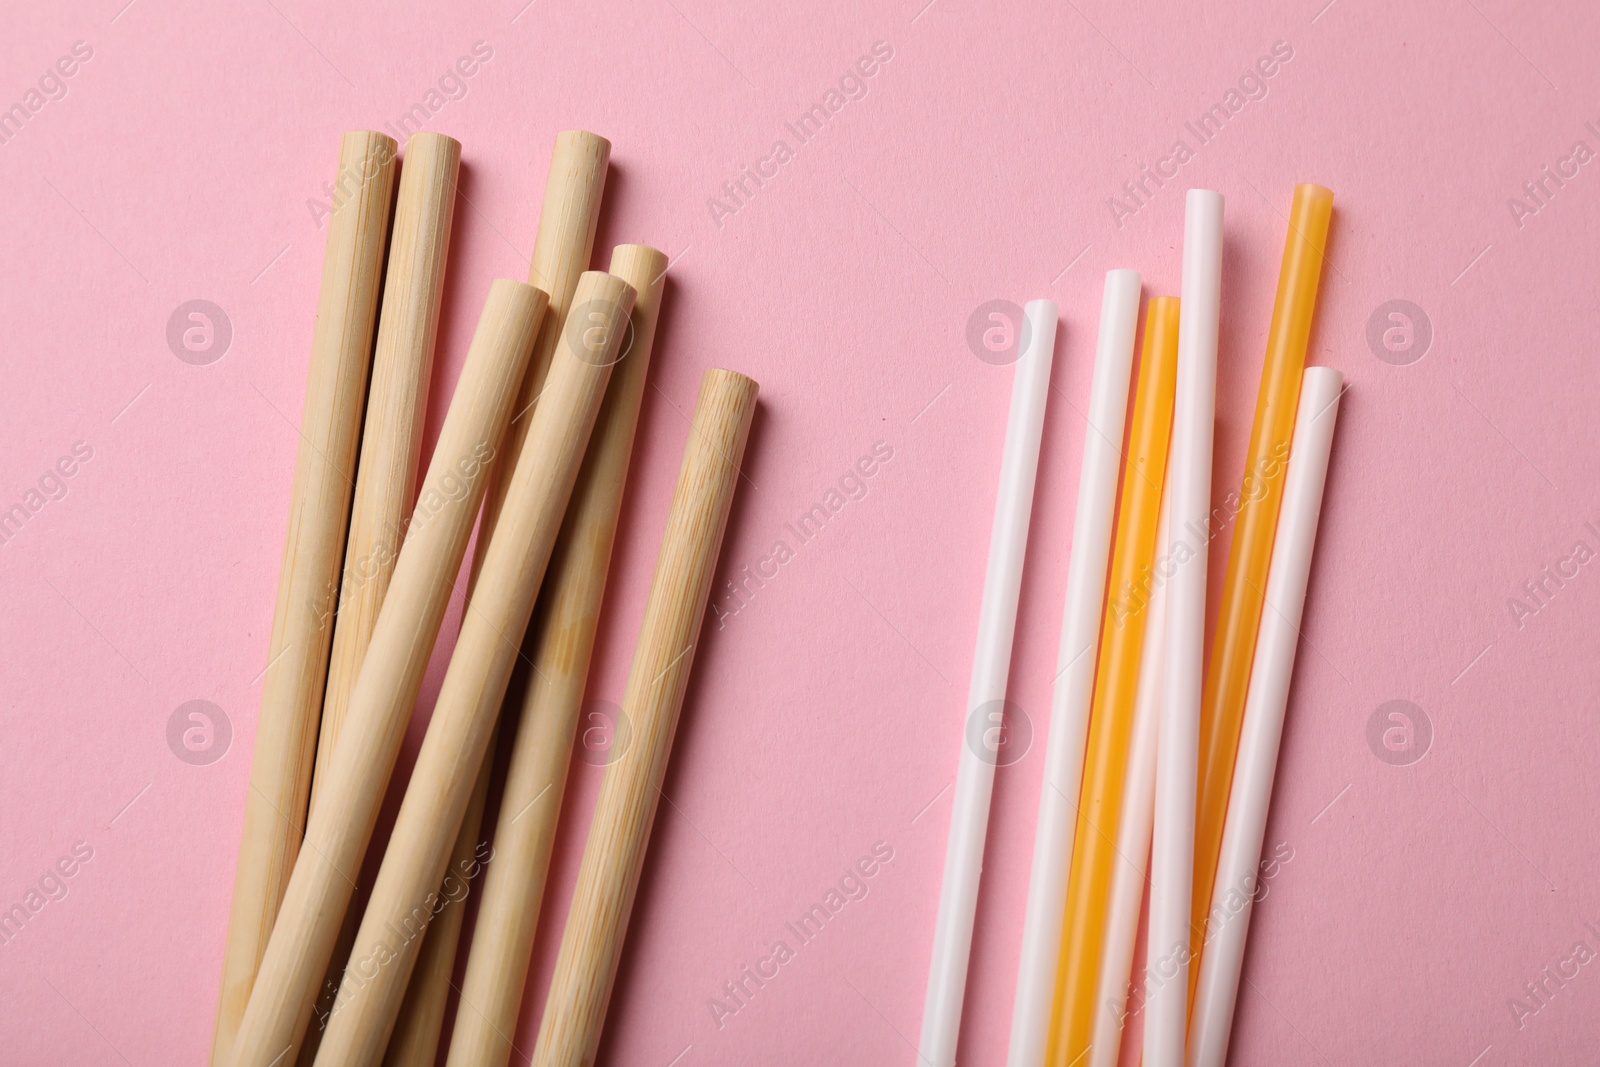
(826,715)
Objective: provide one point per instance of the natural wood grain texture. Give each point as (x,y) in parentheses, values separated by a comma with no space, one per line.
(560,642)
(386,686)
(319,512)
(567,221)
(391,442)
(404,896)
(597,920)
(561,251)
(415,1040)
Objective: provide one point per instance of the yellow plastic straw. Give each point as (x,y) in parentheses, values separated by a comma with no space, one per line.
(1111,716)
(1245,582)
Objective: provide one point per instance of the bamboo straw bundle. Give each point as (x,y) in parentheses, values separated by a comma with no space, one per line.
(337,833)
(319,511)
(391,442)
(561,640)
(561,251)
(464,717)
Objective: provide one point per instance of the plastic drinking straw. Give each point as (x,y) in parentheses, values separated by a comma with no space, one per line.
(1233,898)
(1116,683)
(997,617)
(1133,839)
(1074,681)
(1189,482)
(1260,496)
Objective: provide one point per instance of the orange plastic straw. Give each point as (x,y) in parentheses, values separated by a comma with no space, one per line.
(1245,582)
(1116,681)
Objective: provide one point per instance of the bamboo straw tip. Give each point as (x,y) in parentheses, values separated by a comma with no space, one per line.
(598,285)
(369,141)
(517,298)
(433,143)
(736,388)
(638,261)
(582,142)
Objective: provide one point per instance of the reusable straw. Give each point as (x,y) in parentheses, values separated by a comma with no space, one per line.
(391,442)
(414,1041)
(338,830)
(561,640)
(1074,680)
(397,402)
(1133,838)
(613,855)
(1237,875)
(1234,643)
(1116,686)
(997,619)
(561,251)
(1189,482)
(319,513)
(474,686)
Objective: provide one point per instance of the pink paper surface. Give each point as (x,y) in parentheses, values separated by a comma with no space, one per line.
(823,721)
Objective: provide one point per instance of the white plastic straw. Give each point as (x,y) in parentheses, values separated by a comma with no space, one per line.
(1074,681)
(1177,756)
(991,663)
(1265,703)
(1133,838)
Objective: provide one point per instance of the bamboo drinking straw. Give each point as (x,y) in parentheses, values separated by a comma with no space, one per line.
(1133,838)
(415,1040)
(597,920)
(1074,681)
(319,512)
(1189,482)
(386,687)
(991,664)
(1234,644)
(391,443)
(561,640)
(1232,903)
(1116,686)
(474,687)
(561,251)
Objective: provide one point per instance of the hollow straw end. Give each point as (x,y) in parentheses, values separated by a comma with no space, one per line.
(1321,386)
(1204,202)
(1123,276)
(432,143)
(583,143)
(1311,191)
(1042,310)
(638,261)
